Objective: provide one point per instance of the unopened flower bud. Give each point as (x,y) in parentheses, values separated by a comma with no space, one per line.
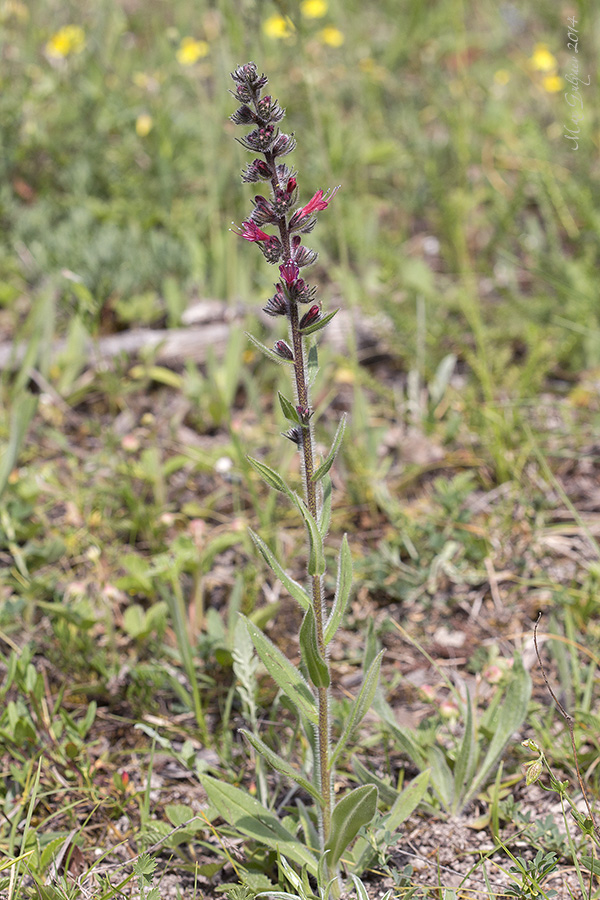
(277,305)
(271,250)
(304,414)
(263,212)
(258,170)
(283,144)
(294,435)
(282,350)
(310,317)
(243,116)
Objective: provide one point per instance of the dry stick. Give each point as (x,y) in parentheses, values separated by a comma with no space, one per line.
(570,723)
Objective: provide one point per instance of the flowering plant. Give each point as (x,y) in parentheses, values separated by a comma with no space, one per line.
(277,226)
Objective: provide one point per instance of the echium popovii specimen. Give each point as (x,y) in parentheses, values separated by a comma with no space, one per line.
(277,225)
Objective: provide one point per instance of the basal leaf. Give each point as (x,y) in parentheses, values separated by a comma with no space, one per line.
(352,812)
(250,817)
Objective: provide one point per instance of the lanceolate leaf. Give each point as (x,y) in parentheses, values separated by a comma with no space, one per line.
(466,758)
(318,669)
(407,801)
(325,517)
(312,364)
(295,589)
(310,329)
(280,765)
(269,475)
(361,705)
(316,559)
(269,353)
(352,812)
(250,817)
(342,592)
(511,716)
(284,674)
(328,462)
(288,409)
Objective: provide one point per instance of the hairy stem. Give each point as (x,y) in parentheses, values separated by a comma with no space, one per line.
(310,489)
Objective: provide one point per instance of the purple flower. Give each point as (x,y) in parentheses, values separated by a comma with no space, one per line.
(316,203)
(251,232)
(289,272)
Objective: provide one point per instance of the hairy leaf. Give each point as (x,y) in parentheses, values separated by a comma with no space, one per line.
(267,351)
(322,323)
(250,817)
(295,589)
(361,705)
(281,765)
(318,669)
(272,478)
(342,592)
(328,462)
(284,674)
(316,559)
(352,812)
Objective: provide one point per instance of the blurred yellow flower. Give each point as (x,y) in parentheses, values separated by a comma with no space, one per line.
(331,36)
(277,26)
(313,9)
(502,76)
(144,124)
(190,51)
(67,40)
(552,83)
(542,59)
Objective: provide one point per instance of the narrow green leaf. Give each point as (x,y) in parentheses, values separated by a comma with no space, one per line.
(312,364)
(318,669)
(22,413)
(280,765)
(342,591)
(442,781)
(288,409)
(511,715)
(407,801)
(328,462)
(387,793)
(322,323)
(267,351)
(352,812)
(325,517)
(284,674)
(272,478)
(295,589)
(250,817)
(316,559)
(361,705)
(466,757)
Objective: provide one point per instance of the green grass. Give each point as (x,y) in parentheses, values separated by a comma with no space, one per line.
(466,227)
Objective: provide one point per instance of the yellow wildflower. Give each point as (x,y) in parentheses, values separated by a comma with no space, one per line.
(331,36)
(552,83)
(502,76)
(190,51)
(277,26)
(542,59)
(144,124)
(67,40)
(313,9)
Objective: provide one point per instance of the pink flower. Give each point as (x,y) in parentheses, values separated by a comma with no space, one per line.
(289,272)
(251,232)
(316,203)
